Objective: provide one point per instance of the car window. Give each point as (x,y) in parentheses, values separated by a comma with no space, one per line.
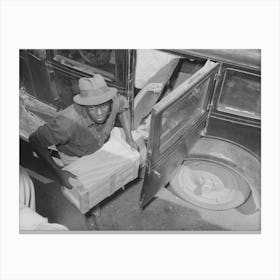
(183,113)
(241,94)
(89,61)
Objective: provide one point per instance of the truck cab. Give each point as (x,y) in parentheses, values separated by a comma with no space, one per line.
(202,128)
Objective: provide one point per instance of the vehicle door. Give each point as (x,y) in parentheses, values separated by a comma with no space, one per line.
(177,122)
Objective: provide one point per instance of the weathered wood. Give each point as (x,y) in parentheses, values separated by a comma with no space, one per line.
(33,114)
(103,173)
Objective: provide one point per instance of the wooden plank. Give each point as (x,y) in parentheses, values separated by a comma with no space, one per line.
(33,114)
(104,172)
(146,98)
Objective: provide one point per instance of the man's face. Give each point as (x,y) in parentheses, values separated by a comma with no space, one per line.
(99,113)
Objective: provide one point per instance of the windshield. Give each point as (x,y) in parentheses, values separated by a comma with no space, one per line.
(89,61)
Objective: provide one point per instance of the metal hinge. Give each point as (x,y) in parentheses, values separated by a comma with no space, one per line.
(148,160)
(217,76)
(209,106)
(209,109)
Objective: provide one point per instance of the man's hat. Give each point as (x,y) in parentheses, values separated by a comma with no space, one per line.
(94,91)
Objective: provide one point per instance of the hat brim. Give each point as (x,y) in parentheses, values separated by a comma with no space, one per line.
(95,100)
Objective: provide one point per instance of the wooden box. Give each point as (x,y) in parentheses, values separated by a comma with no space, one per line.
(103,173)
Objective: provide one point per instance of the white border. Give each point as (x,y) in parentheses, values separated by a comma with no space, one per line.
(147,24)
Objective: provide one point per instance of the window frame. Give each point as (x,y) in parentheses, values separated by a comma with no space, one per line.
(218,106)
(112,77)
(185,125)
(156,149)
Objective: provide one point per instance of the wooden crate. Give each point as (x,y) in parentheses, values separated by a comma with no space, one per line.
(104,172)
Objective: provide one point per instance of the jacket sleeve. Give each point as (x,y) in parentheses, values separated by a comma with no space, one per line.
(56,132)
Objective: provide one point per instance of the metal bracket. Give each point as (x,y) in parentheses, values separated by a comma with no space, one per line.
(148,166)
(209,106)
(217,76)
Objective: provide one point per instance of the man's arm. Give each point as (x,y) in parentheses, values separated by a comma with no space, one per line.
(124,118)
(45,156)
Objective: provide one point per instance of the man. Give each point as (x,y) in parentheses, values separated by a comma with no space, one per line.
(82,128)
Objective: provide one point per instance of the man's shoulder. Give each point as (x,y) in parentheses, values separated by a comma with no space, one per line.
(70,113)
(66,119)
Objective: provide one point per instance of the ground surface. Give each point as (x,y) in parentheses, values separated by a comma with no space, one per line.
(121,212)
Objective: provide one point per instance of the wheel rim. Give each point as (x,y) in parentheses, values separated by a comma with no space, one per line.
(210,185)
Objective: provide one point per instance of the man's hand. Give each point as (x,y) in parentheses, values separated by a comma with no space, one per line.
(133,145)
(64,177)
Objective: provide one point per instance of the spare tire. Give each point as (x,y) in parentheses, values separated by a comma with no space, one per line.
(210,184)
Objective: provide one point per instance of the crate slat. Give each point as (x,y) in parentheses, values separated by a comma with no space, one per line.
(104,172)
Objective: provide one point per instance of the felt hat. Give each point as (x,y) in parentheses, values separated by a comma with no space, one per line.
(94,91)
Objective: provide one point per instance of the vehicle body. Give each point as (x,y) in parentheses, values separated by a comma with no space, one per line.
(213,113)
(225,116)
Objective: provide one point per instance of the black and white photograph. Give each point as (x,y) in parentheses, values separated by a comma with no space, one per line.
(140,139)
